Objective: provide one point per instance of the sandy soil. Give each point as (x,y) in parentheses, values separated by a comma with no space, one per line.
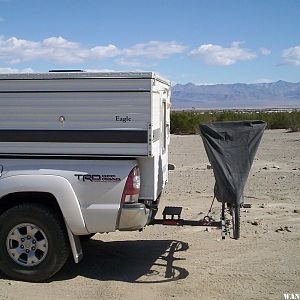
(190,262)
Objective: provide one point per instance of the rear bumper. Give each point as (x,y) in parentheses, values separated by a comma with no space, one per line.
(134,216)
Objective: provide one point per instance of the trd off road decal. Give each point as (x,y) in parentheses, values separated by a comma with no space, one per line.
(97,178)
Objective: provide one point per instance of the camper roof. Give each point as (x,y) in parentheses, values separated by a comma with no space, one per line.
(88,75)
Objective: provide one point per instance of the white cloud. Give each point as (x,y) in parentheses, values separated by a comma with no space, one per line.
(14,70)
(265,51)
(291,56)
(154,50)
(60,50)
(222,56)
(59,42)
(102,52)
(55,49)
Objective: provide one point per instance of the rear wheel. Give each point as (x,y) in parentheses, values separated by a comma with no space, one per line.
(33,243)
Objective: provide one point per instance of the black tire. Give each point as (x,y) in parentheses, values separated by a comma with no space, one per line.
(235,211)
(54,236)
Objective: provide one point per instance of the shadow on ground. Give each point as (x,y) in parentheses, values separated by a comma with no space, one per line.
(136,261)
(128,261)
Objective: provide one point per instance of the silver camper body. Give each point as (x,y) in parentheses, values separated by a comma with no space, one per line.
(89,115)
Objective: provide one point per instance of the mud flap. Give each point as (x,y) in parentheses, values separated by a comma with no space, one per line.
(75,246)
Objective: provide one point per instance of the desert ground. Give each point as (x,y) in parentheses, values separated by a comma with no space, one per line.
(193,262)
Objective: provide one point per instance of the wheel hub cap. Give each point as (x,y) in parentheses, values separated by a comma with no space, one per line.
(27,244)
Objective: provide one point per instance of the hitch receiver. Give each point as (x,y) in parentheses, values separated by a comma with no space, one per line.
(172,217)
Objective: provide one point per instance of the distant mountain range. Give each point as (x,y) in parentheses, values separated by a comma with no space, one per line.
(237,95)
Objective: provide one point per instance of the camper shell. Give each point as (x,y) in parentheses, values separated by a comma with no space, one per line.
(91,115)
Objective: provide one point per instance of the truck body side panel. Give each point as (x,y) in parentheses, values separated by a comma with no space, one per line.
(88,192)
(59,187)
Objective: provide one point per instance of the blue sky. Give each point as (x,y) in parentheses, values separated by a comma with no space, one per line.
(197,41)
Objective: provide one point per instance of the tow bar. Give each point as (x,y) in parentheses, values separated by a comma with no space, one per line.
(172,217)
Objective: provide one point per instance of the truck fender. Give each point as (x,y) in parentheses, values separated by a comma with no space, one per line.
(58,186)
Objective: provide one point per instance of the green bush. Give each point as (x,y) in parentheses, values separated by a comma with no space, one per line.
(187,122)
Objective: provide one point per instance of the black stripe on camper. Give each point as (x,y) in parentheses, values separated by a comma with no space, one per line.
(72,91)
(74,136)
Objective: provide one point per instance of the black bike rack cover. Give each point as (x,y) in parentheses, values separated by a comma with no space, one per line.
(231,147)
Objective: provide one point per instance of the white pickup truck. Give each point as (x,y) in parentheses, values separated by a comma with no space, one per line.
(80,153)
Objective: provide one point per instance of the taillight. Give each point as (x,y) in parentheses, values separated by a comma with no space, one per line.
(132,187)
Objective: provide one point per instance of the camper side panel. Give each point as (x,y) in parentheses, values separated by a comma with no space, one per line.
(48,117)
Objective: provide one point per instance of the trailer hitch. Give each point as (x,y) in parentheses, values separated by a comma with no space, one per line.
(172,217)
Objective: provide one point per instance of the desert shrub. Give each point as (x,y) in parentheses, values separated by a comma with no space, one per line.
(187,122)
(277,120)
(294,121)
